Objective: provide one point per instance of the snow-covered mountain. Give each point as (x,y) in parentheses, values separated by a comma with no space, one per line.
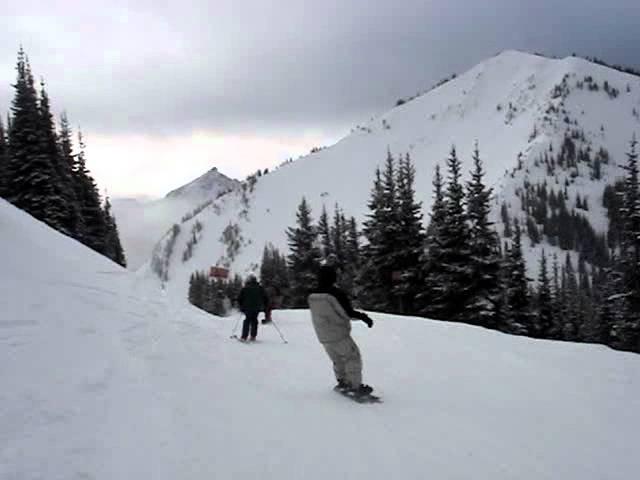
(142,223)
(519,107)
(103,376)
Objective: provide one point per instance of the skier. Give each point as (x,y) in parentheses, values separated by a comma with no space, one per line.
(251,300)
(331,313)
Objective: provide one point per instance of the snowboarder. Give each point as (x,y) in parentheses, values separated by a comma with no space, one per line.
(331,313)
(251,300)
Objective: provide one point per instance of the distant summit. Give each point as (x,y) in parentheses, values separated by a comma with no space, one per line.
(207,185)
(143,223)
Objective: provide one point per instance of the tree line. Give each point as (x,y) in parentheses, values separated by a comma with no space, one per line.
(455,269)
(42,174)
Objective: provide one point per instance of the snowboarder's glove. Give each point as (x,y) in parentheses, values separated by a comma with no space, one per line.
(368,321)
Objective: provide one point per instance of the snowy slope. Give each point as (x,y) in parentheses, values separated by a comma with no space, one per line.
(500,102)
(103,377)
(142,223)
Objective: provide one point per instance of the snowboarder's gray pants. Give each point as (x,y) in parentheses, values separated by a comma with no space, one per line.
(347,363)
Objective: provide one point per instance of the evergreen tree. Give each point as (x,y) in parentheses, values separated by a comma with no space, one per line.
(67,219)
(304,256)
(611,307)
(338,236)
(518,320)
(506,220)
(375,280)
(449,259)
(428,261)
(30,175)
(570,314)
(557,302)
(197,289)
(627,329)
(113,247)
(410,239)
(68,164)
(438,208)
(273,270)
(544,319)
(483,302)
(95,228)
(324,232)
(349,274)
(4,150)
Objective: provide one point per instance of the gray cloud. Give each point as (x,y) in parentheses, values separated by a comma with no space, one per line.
(250,65)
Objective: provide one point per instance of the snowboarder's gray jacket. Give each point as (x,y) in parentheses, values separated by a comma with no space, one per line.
(330,321)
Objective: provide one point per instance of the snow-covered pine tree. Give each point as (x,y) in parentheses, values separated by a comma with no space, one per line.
(570,314)
(3,157)
(371,290)
(113,247)
(324,233)
(517,299)
(593,329)
(273,270)
(557,301)
(506,220)
(611,307)
(410,239)
(449,259)
(197,289)
(351,255)
(339,234)
(544,319)
(67,212)
(95,229)
(627,329)
(304,256)
(191,292)
(267,266)
(30,176)
(483,302)
(431,282)
(216,297)
(387,261)
(438,208)
(67,157)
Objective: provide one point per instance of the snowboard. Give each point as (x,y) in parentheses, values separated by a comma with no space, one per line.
(368,398)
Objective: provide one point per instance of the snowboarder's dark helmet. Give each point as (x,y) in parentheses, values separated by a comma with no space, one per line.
(251,279)
(327,276)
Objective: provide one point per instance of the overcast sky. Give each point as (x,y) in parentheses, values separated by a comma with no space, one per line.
(164,90)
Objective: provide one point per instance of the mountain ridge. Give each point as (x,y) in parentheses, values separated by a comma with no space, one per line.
(516,105)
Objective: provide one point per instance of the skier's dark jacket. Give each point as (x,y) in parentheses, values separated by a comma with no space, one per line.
(326,284)
(252,298)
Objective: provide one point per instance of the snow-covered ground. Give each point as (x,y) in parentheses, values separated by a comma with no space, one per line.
(104,377)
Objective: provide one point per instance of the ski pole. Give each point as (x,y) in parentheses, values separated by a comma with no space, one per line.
(235,327)
(279,332)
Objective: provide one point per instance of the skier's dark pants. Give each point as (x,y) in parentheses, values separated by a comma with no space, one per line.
(250,322)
